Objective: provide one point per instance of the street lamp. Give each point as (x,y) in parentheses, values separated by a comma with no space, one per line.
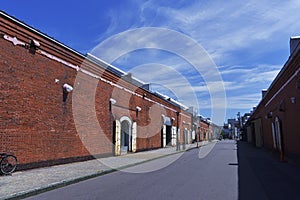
(137,110)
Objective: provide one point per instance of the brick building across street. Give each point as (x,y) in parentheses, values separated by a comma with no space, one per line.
(273,124)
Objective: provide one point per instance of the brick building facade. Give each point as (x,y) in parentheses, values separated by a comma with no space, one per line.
(60,106)
(204,129)
(274,122)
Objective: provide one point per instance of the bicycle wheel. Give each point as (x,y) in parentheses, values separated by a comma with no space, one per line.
(8,164)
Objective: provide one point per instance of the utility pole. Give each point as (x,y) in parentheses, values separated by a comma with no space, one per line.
(239,125)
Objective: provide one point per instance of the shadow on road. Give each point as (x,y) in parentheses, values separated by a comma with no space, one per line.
(263,176)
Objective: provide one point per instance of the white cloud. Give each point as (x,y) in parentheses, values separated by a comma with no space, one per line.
(246,101)
(249,79)
(243,101)
(229,32)
(222,26)
(262,77)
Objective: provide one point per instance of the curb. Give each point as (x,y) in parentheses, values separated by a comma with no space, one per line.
(53,186)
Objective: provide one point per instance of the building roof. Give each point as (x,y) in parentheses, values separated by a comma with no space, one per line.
(293,53)
(99,62)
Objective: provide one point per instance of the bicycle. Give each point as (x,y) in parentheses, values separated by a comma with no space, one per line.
(8,163)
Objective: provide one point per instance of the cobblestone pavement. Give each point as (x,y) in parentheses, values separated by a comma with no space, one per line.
(25,183)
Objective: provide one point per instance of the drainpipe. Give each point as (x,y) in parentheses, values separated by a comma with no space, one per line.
(111,103)
(177,134)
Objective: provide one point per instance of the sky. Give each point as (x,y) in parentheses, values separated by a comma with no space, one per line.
(216,56)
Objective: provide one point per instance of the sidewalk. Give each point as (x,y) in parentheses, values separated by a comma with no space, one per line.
(263,176)
(30,182)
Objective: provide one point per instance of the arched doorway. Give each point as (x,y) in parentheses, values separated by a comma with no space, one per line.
(166,131)
(126,135)
(278,135)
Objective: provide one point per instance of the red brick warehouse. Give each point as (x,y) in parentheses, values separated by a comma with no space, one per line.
(274,122)
(60,106)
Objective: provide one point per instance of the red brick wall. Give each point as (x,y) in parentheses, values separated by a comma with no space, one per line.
(38,127)
(280,106)
(149,119)
(203,130)
(35,123)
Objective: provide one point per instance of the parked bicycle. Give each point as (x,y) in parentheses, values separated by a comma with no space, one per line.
(8,163)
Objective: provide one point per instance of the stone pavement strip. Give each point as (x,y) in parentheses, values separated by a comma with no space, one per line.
(26,183)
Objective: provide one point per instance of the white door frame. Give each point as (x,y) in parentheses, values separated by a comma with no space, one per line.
(128,120)
(133,137)
(278,133)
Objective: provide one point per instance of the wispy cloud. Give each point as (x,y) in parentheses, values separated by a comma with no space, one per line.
(246,101)
(223,27)
(236,35)
(260,73)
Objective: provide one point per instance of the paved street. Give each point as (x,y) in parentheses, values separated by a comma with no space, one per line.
(197,174)
(26,183)
(217,170)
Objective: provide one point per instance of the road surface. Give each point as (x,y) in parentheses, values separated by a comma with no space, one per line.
(210,172)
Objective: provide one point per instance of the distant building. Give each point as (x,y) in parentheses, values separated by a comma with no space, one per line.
(231,129)
(226,131)
(204,130)
(243,132)
(216,131)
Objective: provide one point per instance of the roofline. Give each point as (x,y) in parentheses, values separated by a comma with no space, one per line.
(15,20)
(292,55)
(112,66)
(173,101)
(104,62)
(286,64)
(39,32)
(295,37)
(88,56)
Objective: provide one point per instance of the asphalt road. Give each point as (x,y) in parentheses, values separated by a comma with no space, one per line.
(210,172)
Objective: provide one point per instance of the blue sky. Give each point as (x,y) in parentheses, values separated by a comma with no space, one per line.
(248,41)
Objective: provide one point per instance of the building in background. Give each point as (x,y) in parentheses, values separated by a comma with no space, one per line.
(206,129)
(231,129)
(216,131)
(243,132)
